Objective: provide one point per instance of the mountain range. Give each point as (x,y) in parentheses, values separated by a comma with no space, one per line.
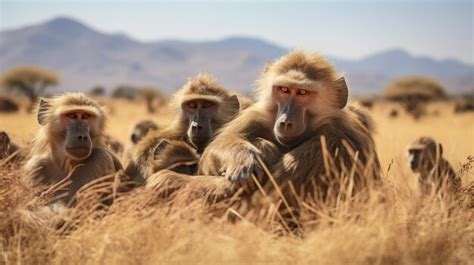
(85,57)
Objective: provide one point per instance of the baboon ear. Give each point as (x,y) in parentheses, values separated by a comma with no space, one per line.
(234,103)
(160,147)
(342,93)
(440,146)
(43,108)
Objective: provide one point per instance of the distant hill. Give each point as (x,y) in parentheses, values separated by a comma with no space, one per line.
(85,57)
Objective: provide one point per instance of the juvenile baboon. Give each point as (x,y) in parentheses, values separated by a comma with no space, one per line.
(202,106)
(69,143)
(300,111)
(141,129)
(172,156)
(7,148)
(114,145)
(433,171)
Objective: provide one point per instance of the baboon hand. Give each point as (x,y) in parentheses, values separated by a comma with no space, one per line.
(241,169)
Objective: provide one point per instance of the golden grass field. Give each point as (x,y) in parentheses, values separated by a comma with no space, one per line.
(402,229)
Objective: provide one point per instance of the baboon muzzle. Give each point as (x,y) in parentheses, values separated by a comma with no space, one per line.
(78,142)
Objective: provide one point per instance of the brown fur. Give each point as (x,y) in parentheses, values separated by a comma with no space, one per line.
(326,153)
(49,164)
(114,145)
(432,169)
(141,129)
(7,148)
(201,87)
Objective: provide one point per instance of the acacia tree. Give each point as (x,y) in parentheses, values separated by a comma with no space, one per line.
(413,92)
(97,91)
(31,81)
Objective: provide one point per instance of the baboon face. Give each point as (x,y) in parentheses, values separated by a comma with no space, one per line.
(141,129)
(297,106)
(300,88)
(292,114)
(199,114)
(77,136)
(423,153)
(72,125)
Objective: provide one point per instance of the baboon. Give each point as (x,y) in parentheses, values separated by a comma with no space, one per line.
(7,148)
(141,129)
(433,171)
(174,156)
(114,145)
(300,111)
(69,143)
(202,106)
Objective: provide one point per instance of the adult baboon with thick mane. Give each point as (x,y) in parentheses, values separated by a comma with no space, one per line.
(432,169)
(300,112)
(202,106)
(69,143)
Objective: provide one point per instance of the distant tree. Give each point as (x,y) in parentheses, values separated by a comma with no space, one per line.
(413,92)
(97,91)
(125,91)
(30,81)
(151,95)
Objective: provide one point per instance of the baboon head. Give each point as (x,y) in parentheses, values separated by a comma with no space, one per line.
(299,88)
(423,154)
(73,123)
(4,144)
(175,155)
(141,129)
(205,106)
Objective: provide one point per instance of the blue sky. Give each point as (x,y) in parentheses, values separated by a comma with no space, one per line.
(352,29)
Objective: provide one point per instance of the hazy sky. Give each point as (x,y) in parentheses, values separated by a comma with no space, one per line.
(441,29)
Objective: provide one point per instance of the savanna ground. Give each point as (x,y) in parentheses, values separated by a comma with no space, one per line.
(403,228)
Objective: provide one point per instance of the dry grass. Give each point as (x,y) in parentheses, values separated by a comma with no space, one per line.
(401,229)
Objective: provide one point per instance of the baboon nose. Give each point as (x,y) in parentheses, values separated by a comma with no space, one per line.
(196,128)
(82,138)
(286,125)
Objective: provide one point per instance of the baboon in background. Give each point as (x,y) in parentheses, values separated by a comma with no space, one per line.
(115,145)
(202,106)
(7,148)
(141,129)
(70,141)
(433,171)
(299,110)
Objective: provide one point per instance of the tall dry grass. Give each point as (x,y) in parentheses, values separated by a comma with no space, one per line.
(394,225)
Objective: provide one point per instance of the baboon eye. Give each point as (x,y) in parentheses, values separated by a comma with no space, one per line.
(284,89)
(192,105)
(86,116)
(207,105)
(303,92)
(72,116)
